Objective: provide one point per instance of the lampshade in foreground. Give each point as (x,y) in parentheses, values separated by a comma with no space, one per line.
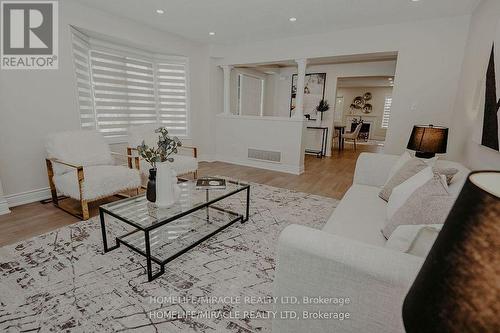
(458,286)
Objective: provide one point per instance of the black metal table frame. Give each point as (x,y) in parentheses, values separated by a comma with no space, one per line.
(324,142)
(150,258)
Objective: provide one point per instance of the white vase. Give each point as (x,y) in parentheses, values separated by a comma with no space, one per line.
(167,190)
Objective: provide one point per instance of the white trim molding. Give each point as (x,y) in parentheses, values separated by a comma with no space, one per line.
(27,197)
(4,207)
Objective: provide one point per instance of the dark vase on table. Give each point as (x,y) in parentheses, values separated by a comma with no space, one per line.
(151,188)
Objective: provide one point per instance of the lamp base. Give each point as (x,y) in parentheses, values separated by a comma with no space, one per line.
(421,154)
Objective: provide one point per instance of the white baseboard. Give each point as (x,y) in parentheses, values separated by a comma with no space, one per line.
(4,207)
(280,167)
(27,197)
(206,158)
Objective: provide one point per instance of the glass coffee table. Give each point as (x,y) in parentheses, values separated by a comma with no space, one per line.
(163,234)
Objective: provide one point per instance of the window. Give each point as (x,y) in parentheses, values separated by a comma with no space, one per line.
(119,87)
(250,95)
(387,111)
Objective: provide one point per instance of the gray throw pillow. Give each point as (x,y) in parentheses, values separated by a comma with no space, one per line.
(429,204)
(408,170)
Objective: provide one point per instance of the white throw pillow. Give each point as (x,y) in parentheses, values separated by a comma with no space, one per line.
(403,191)
(405,157)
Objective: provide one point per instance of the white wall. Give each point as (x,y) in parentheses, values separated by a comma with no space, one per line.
(35,103)
(4,208)
(236,134)
(430,55)
(379,95)
(483,27)
(282,91)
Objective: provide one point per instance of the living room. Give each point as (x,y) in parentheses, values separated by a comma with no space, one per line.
(234,84)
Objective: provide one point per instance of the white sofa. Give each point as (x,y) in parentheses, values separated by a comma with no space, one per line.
(350,258)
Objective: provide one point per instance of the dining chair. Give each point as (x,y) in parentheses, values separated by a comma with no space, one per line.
(353,136)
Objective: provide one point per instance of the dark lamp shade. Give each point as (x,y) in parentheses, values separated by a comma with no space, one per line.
(458,286)
(428,139)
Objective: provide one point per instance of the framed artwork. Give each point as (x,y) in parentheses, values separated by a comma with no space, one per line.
(489,114)
(314,92)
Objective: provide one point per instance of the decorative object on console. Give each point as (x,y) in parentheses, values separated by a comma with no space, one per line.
(160,158)
(428,140)
(457,288)
(314,92)
(322,107)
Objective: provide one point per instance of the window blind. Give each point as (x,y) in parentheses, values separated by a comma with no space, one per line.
(172,93)
(81,50)
(387,112)
(118,89)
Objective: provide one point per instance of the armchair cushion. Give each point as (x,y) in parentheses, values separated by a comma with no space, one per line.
(99,181)
(82,147)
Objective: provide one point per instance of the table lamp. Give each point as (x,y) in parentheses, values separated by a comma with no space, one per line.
(428,140)
(458,286)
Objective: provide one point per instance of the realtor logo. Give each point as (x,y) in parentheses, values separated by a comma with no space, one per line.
(29,35)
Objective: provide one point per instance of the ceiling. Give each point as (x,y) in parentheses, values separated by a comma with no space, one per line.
(240,21)
(365,82)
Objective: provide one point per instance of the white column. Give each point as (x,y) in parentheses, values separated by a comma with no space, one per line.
(4,207)
(227,88)
(301,78)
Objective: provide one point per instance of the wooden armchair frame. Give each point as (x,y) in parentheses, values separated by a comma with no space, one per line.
(131,150)
(84,204)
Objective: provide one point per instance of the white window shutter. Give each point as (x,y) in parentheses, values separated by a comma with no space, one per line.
(387,112)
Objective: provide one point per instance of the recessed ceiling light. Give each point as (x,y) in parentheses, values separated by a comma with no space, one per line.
(415,0)
(211,33)
(160,11)
(292,19)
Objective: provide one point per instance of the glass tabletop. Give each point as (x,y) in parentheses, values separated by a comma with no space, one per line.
(139,212)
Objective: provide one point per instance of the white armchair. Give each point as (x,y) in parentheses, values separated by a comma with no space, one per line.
(183,163)
(80,165)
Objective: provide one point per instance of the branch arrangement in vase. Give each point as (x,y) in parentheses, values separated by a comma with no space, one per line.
(166,147)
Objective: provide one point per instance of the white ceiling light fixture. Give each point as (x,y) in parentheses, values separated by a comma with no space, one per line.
(160,11)
(211,33)
(292,19)
(415,0)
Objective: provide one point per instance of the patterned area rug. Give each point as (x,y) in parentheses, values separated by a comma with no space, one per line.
(61,281)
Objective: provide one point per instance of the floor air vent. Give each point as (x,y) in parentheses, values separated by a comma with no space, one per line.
(264,155)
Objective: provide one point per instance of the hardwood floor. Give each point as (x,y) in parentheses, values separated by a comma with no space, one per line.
(330,176)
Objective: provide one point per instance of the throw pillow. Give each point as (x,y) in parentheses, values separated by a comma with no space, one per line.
(429,204)
(405,157)
(449,173)
(402,192)
(409,169)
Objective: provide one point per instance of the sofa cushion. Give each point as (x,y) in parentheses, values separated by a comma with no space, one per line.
(99,181)
(429,204)
(404,236)
(359,216)
(408,170)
